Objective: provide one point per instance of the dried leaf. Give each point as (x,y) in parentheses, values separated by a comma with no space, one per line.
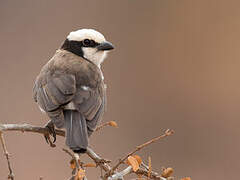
(138,158)
(167,172)
(80,175)
(113,124)
(133,162)
(89,165)
(186,178)
(140,177)
(72,164)
(149,166)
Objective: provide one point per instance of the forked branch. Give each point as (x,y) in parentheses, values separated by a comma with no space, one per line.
(11,175)
(111,173)
(138,148)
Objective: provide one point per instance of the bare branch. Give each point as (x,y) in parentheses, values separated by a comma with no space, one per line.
(42,130)
(138,148)
(69,153)
(168,132)
(97,159)
(11,175)
(120,175)
(153,175)
(109,123)
(29,128)
(75,158)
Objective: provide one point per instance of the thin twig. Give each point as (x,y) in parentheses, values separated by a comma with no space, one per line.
(145,172)
(150,167)
(145,166)
(109,123)
(121,174)
(29,128)
(11,175)
(168,132)
(97,159)
(69,153)
(138,148)
(102,126)
(42,130)
(75,157)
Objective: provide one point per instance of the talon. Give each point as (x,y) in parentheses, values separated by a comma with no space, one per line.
(52,132)
(54,136)
(46,138)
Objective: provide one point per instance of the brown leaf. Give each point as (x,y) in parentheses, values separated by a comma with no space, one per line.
(133,162)
(140,177)
(186,178)
(72,164)
(113,124)
(138,158)
(80,175)
(89,165)
(167,172)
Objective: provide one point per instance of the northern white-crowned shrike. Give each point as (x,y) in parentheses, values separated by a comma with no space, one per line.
(70,87)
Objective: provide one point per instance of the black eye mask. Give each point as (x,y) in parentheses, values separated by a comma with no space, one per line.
(89,43)
(73,46)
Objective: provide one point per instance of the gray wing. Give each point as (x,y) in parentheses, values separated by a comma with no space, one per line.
(52,91)
(91,103)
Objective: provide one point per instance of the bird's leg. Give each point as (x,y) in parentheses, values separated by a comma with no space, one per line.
(52,132)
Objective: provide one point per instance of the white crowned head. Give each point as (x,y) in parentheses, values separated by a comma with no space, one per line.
(92,43)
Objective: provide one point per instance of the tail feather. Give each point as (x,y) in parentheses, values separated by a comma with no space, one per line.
(76,130)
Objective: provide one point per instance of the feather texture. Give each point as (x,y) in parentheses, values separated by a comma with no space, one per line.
(61,83)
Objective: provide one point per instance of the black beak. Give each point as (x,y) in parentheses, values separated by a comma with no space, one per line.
(105,46)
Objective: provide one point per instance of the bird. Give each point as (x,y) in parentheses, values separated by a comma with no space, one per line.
(70,87)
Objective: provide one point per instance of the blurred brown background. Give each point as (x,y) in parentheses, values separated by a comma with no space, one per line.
(176,65)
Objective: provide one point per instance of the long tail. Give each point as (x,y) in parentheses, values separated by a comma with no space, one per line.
(76,131)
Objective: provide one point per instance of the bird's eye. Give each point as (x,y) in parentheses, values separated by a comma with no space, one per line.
(86,42)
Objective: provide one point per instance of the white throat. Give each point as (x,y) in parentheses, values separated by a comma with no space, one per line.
(93,55)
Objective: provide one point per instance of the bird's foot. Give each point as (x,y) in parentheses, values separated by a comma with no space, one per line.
(51,132)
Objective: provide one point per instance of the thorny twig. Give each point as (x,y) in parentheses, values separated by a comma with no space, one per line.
(97,159)
(11,175)
(138,148)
